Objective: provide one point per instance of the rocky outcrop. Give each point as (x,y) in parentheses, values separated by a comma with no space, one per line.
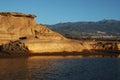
(20,33)
(43,33)
(15,25)
(106,45)
(16,14)
(14,46)
(37,37)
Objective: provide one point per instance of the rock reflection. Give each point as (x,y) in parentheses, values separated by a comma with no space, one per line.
(59,68)
(14,68)
(44,69)
(28,68)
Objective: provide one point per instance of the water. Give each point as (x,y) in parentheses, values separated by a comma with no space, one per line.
(59,68)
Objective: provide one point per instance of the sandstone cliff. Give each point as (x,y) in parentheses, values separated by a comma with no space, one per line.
(37,37)
(15,25)
(20,33)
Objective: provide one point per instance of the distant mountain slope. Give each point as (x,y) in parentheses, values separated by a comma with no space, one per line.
(78,29)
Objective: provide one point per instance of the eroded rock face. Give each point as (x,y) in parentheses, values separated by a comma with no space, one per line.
(28,36)
(42,32)
(14,25)
(16,14)
(37,37)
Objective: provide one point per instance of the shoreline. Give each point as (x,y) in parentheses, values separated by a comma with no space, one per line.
(84,54)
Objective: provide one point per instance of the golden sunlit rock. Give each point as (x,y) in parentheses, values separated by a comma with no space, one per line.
(37,37)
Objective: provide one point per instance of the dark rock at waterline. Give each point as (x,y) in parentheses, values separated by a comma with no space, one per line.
(14,46)
(105,46)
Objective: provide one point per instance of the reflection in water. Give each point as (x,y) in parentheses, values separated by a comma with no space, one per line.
(13,68)
(59,68)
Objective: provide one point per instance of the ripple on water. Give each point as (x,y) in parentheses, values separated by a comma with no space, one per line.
(59,68)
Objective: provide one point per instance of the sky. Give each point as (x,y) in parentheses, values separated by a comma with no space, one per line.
(59,11)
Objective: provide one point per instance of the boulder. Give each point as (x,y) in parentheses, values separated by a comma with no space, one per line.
(14,47)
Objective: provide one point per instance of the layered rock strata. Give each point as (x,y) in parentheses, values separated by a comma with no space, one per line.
(37,37)
(20,33)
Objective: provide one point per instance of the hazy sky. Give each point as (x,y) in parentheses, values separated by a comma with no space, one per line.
(55,11)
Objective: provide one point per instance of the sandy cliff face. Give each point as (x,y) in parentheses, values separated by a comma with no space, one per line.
(37,37)
(15,25)
(20,33)
(43,33)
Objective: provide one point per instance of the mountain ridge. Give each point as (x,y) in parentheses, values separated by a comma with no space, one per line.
(88,28)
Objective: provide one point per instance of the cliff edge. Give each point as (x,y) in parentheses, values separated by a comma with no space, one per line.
(38,38)
(19,33)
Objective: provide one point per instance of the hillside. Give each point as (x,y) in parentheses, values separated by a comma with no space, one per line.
(80,29)
(20,35)
(19,32)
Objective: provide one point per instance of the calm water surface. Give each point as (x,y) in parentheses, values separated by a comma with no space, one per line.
(59,68)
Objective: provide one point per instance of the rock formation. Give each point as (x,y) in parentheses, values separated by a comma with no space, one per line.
(37,37)
(15,25)
(20,33)
(105,45)
(14,46)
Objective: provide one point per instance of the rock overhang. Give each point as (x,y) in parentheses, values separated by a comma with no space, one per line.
(17,14)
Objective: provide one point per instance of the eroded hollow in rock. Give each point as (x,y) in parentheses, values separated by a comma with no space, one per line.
(23,38)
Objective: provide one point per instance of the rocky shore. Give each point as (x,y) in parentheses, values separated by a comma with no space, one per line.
(20,35)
